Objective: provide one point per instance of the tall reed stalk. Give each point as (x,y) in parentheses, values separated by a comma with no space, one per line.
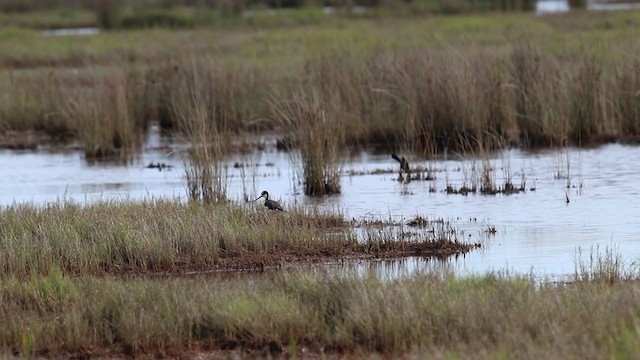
(316,126)
(199,118)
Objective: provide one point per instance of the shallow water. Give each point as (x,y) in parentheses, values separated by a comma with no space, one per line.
(83,31)
(537,231)
(559,6)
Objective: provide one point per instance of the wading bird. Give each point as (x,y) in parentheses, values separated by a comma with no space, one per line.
(271,204)
(404,167)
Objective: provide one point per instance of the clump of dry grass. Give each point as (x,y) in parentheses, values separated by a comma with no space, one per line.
(627,97)
(197,108)
(316,126)
(603,266)
(235,96)
(207,103)
(107,13)
(540,96)
(587,115)
(107,111)
(35,102)
(102,107)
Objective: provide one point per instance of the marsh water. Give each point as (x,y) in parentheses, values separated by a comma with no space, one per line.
(537,231)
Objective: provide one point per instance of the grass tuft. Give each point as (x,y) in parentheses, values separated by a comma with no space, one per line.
(317,131)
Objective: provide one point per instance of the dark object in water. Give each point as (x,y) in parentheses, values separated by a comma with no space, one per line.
(271,204)
(160,166)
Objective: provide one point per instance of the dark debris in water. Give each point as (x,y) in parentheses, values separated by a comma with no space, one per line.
(159,165)
(374,223)
(507,189)
(463,190)
(416,174)
(240,165)
(418,221)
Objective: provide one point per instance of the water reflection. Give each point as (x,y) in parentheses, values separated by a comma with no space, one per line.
(395,269)
(84,31)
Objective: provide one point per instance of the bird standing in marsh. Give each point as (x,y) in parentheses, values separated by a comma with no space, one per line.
(404,167)
(271,204)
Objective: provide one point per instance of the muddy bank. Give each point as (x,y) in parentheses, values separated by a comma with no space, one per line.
(438,249)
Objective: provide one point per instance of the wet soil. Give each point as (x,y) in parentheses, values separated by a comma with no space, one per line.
(436,249)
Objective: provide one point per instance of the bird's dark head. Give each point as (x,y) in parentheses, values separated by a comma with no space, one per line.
(264,194)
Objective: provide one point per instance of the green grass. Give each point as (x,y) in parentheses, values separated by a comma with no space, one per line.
(151,236)
(167,236)
(48,19)
(355,316)
(318,131)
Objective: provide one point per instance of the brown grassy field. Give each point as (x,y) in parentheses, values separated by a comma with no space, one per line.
(465,85)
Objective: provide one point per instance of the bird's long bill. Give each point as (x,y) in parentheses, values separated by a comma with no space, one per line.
(258,198)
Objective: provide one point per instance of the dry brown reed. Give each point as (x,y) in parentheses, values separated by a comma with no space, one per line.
(106,111)
(35,101)
(539,101)
(318,133)
(421,100)
(603,266)
(235,95)
(587,112)
(200,113)
(101,107)
(627,97)
(578,4)
(107,13)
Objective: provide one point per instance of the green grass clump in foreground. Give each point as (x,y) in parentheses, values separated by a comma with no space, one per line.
(439,317)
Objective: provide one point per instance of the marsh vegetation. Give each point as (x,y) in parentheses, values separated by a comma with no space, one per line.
(148,277)
(364,82)
(293,314)
(167,236)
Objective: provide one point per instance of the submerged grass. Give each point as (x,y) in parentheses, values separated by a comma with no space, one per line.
(296,313)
